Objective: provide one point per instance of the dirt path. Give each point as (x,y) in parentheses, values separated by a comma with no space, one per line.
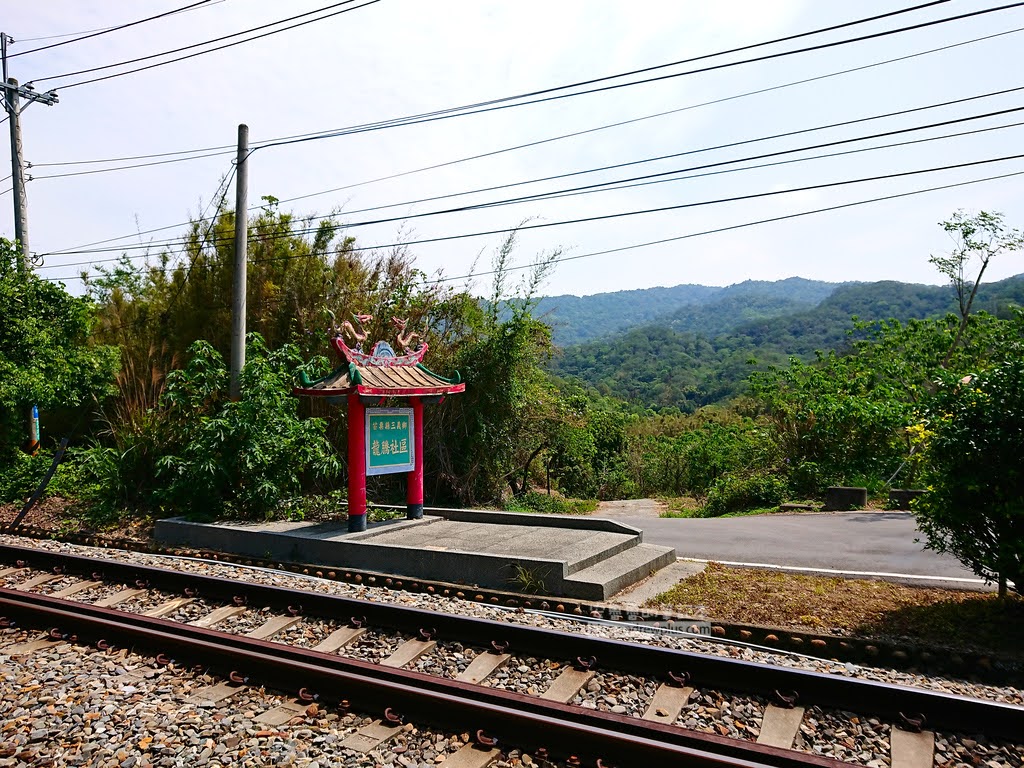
(630,508)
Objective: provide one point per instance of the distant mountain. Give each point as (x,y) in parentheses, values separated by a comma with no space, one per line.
(702,354)
(576,319)
(749,301)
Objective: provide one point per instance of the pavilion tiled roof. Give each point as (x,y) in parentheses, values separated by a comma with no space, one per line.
(384,381)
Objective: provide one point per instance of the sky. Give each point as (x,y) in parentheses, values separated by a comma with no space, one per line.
(395,58)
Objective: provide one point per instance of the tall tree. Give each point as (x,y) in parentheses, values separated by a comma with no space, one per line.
(976,240)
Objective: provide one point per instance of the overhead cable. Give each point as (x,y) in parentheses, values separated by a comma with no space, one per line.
(622,181)
(503,103)
(78,248)
(687,236)
(677,207)
(98,32)
(624,214)
(773,219)
(207,42)
(230,148)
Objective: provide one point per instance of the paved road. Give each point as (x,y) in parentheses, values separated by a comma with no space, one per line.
(869,542)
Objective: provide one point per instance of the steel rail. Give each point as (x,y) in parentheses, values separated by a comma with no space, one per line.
(939,710)
(513,718)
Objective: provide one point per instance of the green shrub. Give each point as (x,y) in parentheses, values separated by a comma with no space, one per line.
(691,461)
(974,505)
(239,458)
(533,501)
(20,474)
(734,493)
(808,478)
(45,355)
(123,469)
(199,453)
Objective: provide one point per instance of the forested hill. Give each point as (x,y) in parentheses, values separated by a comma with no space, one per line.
(702,354)
(578,319)
(748,302)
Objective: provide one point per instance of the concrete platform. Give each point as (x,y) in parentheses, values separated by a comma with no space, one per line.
(584,558)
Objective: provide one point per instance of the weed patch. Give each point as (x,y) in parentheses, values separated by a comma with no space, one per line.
(866,608)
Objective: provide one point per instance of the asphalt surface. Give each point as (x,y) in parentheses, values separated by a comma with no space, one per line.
(866,542)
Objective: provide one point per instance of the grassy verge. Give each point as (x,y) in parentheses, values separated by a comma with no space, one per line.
(951,618)
(681,506)
(687,506)
(534,501)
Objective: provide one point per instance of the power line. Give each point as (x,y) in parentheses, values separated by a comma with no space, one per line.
(614,185)
(597,187)
(828,75)
(461,111)
(647,117)
(133,157)
(316,133)
(226,185)
(505,149)
(691,235)
(519,183)
(90,31)
(229,149)
(644,181)
(120,168)
(206,237)
(718,230)
(97,33)
(446,112)
(76,249)
(666,208)
(717,147)
(206,42)
(624,214)
(502,103)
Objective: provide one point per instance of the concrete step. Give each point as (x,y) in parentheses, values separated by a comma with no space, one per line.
(593,547)
(602,580)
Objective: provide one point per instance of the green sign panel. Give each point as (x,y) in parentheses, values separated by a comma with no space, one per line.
(389,441)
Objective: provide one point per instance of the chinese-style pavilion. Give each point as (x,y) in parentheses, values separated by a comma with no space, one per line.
(382,440)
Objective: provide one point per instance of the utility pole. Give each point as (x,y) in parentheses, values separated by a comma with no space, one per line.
(12,95)
(241,264)
(17,174)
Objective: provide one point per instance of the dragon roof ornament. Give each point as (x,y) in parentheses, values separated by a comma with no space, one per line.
(381,371)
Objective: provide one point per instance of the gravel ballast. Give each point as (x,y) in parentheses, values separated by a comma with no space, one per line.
(827,733)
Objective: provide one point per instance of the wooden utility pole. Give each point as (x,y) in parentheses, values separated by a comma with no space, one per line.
(241,264)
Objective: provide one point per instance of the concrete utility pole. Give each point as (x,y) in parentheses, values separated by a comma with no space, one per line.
(17,174)
(12,95)
(241,264)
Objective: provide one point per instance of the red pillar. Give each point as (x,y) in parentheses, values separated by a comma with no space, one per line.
(414,479)
(356,464)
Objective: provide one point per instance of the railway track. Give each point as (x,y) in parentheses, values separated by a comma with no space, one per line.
(356,653)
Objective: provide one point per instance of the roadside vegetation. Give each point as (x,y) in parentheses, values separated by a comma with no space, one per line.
(879,609)
(134,374)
